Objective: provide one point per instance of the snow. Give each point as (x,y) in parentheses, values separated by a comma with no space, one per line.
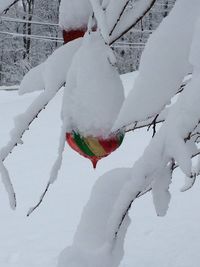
(9,88)
(91,103)
(74,14)
(51,74)
(160,191)
(94,93)
(169,146)
(35,74)
(37,241)
(90,247)
(100,16)
(159,74)
(128,18)
(58,64)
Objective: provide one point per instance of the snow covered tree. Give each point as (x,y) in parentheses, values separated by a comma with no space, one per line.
(29,33)
(166,91)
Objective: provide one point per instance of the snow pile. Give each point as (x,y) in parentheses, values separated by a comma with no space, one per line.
(163,66)
(90,246)
(74,14)
(94,92)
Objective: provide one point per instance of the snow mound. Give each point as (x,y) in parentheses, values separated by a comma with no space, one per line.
(94,92)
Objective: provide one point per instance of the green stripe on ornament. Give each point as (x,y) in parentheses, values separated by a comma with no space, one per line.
(82,145)
(121,138)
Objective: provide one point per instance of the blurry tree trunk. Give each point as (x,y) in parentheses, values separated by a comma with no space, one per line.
(28,8)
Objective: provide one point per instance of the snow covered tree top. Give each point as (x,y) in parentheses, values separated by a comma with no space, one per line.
(74,14)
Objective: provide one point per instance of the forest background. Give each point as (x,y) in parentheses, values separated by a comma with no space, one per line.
(29,33)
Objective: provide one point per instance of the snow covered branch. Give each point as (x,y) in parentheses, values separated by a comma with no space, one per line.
(100,15)
(153,92)
(59,62)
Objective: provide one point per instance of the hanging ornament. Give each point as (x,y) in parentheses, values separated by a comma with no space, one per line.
(92,99)
(94,148)
(70,35)
(73,18)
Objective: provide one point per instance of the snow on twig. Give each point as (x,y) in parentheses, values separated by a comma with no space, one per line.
(8,185)
(22,123)
(54,171)
(172,142)
(100,15)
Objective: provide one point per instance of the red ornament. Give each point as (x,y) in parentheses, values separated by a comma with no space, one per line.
(71,35)
(94,148)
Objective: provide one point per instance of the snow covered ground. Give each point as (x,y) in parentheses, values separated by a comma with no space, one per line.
(36,241)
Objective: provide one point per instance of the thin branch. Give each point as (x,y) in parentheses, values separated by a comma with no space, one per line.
(31,210)
(159,118)
(133,24)
(119,18)
(143,124)
(153,124)
(7,9)
(54,170)
(13,143)
(125,214)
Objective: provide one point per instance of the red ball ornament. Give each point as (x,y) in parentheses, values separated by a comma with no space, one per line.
(94,148)
(73,34)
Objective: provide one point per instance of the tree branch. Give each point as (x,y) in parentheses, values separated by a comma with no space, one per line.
(129,24)
(38,105)
(7,9)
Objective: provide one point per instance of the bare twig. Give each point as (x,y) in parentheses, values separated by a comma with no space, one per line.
(7,9)
(125,214)
(134,22)
(40,201)
(119,18)
(153,124)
